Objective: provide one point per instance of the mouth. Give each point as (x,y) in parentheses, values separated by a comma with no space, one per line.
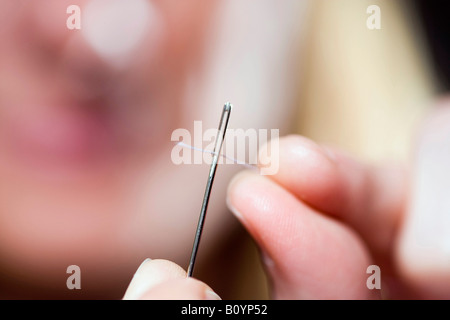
(61,137)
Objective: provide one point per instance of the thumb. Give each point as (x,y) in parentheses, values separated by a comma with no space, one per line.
(424,243)
(165,280)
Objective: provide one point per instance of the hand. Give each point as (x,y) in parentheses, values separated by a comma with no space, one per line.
(165,280)
(324,218)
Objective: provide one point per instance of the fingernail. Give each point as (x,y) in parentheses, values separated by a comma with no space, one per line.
(139,283)
(233,210)
(268,261)
(211,295)
(269,156)
(140,266)
(234,192)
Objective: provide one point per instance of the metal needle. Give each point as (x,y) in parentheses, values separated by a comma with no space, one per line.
(212,172)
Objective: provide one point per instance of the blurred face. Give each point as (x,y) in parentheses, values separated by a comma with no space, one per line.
(85,123)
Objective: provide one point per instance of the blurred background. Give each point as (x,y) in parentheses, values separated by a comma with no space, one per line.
(86,117)
(365,91)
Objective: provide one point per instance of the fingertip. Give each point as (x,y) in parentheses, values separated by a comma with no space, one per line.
(151,273)
(166,268)
(298,151)
(238,189)
(423,242)
(263,207)
(294,241)
(297,145)
(306,169)
(238,179)
(181,289)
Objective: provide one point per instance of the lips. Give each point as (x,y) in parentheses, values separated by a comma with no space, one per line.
(60,136)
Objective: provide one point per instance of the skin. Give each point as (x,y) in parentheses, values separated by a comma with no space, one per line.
(85,144)
(85,150)
(325,217)
(85,178)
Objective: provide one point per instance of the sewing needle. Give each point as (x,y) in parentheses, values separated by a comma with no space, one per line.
(212,172)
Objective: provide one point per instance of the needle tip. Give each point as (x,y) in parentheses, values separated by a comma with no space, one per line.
(227,107)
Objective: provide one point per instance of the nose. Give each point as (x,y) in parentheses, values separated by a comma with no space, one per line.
(62,52)
(113,36)
(45,22)
(116,29)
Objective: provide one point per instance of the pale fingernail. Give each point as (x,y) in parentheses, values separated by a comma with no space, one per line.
(211,295)
(269,156)
(140,266)
(233,210)
(139,283)
(268,261)
(233,193)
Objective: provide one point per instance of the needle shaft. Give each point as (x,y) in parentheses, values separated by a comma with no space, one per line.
(212,172)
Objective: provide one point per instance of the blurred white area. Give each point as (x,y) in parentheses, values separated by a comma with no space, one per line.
(253,57)
(115,28)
